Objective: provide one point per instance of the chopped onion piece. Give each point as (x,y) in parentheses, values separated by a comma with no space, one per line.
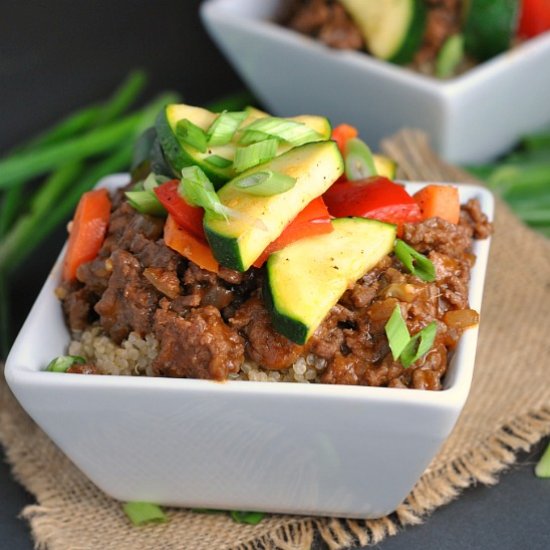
(461,318)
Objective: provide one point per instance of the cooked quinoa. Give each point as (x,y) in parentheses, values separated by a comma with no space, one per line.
(135,356)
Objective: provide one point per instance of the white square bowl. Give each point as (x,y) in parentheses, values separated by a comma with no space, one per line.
(471,118)
(277,447)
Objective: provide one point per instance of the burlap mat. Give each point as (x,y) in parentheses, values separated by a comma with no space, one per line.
(508,410)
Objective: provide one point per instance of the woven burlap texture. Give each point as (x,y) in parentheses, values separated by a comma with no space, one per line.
(508,409)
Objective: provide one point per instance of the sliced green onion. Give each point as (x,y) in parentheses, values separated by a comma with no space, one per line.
(418,345)
(449,56)
(293,132)
(358,160)
(144,512)
(198,190)
(217,161)
(222,130)
(397,333)
(145,202)
(542,469)
(252,518)
(191,134)
(253,136)
(416,263)
(265,183)
(154,180)
(64,363)
(254,154)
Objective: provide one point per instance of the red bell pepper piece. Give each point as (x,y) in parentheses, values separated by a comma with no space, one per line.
(377,198)
(534,18)
(313,220)
(186,216)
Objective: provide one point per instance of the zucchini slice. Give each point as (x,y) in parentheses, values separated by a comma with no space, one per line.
(385,166)
(490,27)
(306,278)
(392,29)
(236,243)
(180,154)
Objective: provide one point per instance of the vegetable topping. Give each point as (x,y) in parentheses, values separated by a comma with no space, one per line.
(185,266)
(87,231)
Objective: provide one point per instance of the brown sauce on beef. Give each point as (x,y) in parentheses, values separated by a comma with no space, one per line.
(207,324)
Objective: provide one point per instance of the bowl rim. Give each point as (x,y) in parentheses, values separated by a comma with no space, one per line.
(221,11)
(454,395)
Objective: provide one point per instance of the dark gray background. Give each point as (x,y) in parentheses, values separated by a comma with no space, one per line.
(58,55)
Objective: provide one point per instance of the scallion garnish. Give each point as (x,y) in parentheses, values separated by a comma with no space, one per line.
(252,518)
(142,196)
(254,154)
(191,134)
(265,183)
(405,348)
(397,333)
(542,469)
(64,362)
(358,160)
(290,131)
(222,130)
(217,161)
(145,202)
(416,263)
(153,180)
(252,136)
(419,345)
(198,190)
(144,512)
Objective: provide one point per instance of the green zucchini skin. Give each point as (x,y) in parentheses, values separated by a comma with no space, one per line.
(306,278)
(413,38)
(178,157)
(393,30)
(490,27)
(226,250)
(239,242)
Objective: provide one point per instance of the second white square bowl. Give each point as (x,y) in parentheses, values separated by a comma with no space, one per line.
(470,118)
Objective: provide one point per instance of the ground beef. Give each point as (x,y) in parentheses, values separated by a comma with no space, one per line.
(129,302)
(83,368)
(472,216)
(443,19)
(263,343)
(327,21)
(439,235)
(77,305)
(206,325)
(200,345)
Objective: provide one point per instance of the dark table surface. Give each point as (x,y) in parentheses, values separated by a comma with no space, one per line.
(58,56)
